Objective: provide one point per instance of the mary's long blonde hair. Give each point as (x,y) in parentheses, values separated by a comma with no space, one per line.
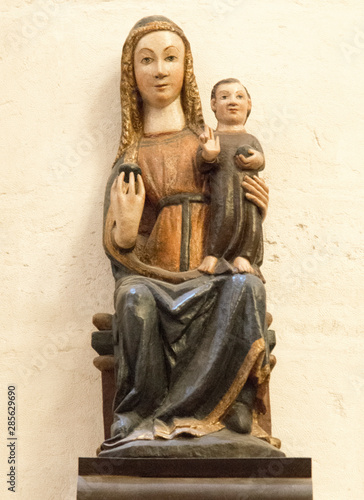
(131,101)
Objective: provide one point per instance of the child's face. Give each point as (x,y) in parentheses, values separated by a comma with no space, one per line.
(231,104)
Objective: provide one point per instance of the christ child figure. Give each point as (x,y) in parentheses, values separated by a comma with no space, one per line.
(227,156)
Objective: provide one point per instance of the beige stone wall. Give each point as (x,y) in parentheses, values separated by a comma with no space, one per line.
(303,64)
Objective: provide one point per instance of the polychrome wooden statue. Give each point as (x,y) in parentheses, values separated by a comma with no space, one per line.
(190,346)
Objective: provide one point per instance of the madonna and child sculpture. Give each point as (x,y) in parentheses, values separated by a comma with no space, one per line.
(182,228)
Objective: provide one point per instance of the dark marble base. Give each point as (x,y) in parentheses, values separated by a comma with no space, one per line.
(219,444)
(194,478)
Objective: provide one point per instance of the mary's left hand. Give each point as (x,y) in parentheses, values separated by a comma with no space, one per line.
(258,192)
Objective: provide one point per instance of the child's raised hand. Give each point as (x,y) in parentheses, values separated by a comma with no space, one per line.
(209,144)
(252,162)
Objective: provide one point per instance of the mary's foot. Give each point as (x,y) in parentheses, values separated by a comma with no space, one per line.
(125,424)
(239,418)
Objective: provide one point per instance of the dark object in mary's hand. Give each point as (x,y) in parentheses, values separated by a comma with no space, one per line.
(129,168)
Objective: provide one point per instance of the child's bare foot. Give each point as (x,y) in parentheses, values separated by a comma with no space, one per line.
(243,265)
(208,264)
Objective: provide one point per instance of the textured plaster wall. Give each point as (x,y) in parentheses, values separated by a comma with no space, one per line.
(303,64)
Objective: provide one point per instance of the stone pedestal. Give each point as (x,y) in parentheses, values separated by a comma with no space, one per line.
(194,478)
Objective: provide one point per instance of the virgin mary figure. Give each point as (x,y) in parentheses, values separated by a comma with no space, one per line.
(190,348)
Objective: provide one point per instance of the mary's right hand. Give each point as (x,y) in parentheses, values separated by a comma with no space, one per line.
(126,204)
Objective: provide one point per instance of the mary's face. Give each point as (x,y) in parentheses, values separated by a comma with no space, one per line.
(159,61)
